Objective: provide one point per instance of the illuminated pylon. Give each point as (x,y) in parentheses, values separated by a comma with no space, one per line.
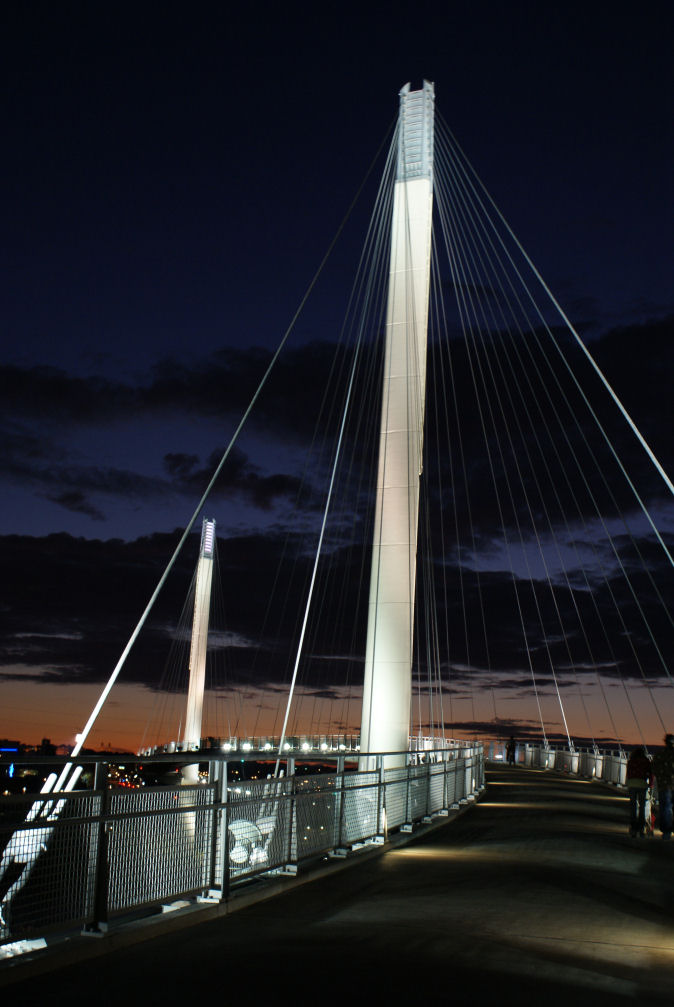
(202,606)
(388,661)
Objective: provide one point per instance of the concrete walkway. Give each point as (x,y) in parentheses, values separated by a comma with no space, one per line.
(536,896)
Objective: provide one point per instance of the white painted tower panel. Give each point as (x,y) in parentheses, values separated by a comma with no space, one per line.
(198,648)
(385,723)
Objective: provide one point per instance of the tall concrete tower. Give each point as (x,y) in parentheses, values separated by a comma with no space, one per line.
(202,607)
(387,692)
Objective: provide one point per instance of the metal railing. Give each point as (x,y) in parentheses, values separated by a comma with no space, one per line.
(609,766)
(83,858)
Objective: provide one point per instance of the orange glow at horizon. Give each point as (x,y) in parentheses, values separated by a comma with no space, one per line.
(136,716)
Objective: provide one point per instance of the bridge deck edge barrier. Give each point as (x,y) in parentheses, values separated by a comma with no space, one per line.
(56,955)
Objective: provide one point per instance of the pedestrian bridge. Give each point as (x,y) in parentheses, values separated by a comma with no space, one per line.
(132,836)
(536,894)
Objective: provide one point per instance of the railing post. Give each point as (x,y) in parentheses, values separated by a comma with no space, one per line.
(340,821)
(407,792)
(444,810)
(223,819)
(462,798)
(99,925)
(339,850)
(215,776)
(407,825)
(429,779)
(290,866)
(381,798)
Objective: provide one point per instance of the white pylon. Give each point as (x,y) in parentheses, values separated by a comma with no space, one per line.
(202,607)
(385,725)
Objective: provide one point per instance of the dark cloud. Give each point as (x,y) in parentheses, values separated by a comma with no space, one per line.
(180,466)
(74,619)
(220,386)
(238,476)
(520,454)
(35,463)
(76,501)
(17,443)
(223,385)
(52,394)
(331,694)
(71,622)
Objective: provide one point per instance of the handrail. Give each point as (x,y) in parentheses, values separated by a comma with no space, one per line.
(120,845)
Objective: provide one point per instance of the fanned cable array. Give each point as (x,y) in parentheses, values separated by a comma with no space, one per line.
(533,460)
(544,582)
(541,606)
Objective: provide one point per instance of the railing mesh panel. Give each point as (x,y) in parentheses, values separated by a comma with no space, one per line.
(360,810)
(321,782)
(396,797)
(258,827)
(437,789)
(316,817)
(479,760)
(163,853)
(48,864)
(417,799)
(460,780)
(450,785)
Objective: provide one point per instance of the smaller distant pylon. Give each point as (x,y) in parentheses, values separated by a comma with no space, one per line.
(202,608)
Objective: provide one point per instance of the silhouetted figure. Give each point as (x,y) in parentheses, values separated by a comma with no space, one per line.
(639,779)
(510,751)
(663,765)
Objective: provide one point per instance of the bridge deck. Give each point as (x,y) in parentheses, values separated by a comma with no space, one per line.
(537,895)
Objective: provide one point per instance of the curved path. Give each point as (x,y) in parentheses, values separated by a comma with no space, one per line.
(537,895)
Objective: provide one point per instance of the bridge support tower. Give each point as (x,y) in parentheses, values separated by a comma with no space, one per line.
(385,725)
(202,606)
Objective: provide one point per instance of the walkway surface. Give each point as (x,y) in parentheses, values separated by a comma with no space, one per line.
(535,896)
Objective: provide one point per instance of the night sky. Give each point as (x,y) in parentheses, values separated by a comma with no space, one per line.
(172,179)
